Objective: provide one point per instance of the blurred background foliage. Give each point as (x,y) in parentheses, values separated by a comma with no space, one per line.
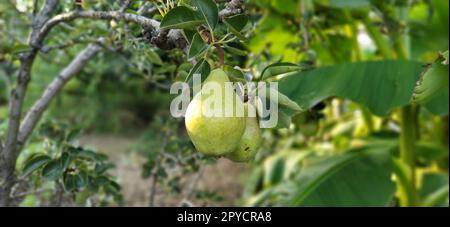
(339,152)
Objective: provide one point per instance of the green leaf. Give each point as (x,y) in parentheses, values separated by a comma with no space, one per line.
(53,170)
(283,100)
(381,86)
(69,182)
(202,67)
(427,152)
(284,119)
(74,181)
(18,48)
(209,11)
(273,170)
(439,103)
(234,74)
(278,69)
(265,113)
(153,57)
(259,199)
(351,4)
(35,163)
(180,17)
(65,160)
(73,134)
(434,189)
(197,46)
(236,23)
(359,177)
(433,81)
(80,181)
(236,51)
(87,154)
(189,34)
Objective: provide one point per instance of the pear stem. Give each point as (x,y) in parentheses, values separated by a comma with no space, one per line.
(221,54)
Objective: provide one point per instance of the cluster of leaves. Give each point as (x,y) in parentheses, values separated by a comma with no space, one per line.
(82,172)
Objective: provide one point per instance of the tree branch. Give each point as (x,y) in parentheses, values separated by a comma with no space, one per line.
(165,39)
(232,8)
(97,15)
(35,113)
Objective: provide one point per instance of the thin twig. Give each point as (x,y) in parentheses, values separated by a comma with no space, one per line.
(194,183)
(155,170)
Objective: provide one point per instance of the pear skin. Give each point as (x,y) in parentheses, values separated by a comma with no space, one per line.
(215,135)
(249,144)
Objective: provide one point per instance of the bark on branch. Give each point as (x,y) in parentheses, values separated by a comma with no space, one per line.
(233,7)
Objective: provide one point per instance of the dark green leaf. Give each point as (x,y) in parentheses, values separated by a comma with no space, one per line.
(209,11)
(35,163)
(88,154)
(180,17)
(236,23)
(197,46)
(202,67)
(65,160)
(69,182)
(53,170)
(189,34)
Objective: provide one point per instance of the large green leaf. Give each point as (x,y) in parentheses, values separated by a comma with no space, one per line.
(439,104)
(180,17)
(434,189)
(381,86)
(208,9)
(360,177)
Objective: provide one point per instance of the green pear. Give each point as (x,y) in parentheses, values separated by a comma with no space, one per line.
(215,135)
(250,142)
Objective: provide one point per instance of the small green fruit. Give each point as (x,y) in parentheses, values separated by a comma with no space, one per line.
(249,144)
(213,135)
